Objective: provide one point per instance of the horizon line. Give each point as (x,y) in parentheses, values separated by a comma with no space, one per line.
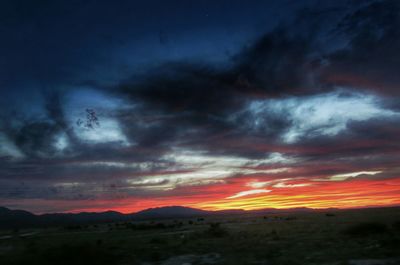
(215,211)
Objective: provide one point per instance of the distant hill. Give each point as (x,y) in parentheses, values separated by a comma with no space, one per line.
(16,218)
(10,219)
(169,212)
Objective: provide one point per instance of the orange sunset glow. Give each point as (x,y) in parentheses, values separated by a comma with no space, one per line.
(353,193)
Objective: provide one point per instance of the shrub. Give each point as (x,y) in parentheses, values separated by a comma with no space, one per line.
(157,241)
(99,242)
(396,225)
(82,254)
(274,235)
(365,229)
(216,230)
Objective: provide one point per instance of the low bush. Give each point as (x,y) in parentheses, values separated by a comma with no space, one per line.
(396,225)
(216,230)
(365,229)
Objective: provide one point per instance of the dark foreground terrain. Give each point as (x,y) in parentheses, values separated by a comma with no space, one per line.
(359,237)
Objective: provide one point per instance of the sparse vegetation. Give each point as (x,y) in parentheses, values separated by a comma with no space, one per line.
(216,230)
(396,225)
(310,238)
(65,254)
(366,229)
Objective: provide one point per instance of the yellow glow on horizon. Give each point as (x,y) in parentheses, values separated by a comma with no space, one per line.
(342,195)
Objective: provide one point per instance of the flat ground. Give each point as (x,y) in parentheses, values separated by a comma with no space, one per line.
(359,237)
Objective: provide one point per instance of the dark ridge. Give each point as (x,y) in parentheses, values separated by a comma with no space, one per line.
(13,219)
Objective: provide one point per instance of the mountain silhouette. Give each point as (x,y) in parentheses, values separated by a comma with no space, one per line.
(19,218)
(170,212)
(12,219)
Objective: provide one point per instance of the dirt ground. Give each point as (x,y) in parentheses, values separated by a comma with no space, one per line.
(352,237)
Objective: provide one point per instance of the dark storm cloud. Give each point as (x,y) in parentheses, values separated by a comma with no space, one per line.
(191,99)
(196,96)
(181,105)
(35,136)
(186,87)
(277,65)
(201,92)
(371,58)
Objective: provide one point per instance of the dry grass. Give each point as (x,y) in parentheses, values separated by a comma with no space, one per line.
(304,238)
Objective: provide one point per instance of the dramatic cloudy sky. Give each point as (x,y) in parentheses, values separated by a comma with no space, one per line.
(216,104)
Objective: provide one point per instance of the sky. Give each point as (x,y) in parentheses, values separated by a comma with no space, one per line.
(127,105)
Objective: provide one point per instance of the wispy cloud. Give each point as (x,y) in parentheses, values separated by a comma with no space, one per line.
(345,176)
(248,193)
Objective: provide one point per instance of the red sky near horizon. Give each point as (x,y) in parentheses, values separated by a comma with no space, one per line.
(319,194)
(251,194)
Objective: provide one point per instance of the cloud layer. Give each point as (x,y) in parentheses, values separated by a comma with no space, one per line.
(307,114)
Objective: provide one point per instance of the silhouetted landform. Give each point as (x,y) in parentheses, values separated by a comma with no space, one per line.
(234,237)
(10,219)
(18,218)
(169,212)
